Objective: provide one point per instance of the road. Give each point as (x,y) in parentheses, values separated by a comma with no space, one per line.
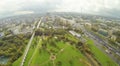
(104,42)
(29,44)
(37,47)
(39,22)
(100,42)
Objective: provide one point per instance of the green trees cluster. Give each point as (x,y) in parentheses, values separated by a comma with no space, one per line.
(13,46)
(49,32)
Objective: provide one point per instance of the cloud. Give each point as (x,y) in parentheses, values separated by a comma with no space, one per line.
(104,7)
(23,12)
(90,6)
(11,7)
(44,6)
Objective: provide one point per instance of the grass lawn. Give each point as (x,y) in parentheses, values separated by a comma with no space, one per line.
(40,58)
(65,54)
(30,53)
(71,37)
(17,62)
(70,56)
(99,55)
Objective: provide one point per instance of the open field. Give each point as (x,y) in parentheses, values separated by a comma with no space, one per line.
(64,54)
(64,50)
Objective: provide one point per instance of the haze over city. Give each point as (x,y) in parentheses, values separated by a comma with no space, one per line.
(97,7)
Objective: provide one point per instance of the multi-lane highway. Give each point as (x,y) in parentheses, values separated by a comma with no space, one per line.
(100,42)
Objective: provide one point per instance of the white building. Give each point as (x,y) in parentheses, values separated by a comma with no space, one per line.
(75,34)
(2,34)
(113,37)
(88,25)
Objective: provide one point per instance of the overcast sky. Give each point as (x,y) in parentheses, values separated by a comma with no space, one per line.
(17,7)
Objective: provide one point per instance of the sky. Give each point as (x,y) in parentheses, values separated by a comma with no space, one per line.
(99,7)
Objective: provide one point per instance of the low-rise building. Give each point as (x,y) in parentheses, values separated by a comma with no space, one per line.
(88,25)
(75,34)
(113,38)
(2,34)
